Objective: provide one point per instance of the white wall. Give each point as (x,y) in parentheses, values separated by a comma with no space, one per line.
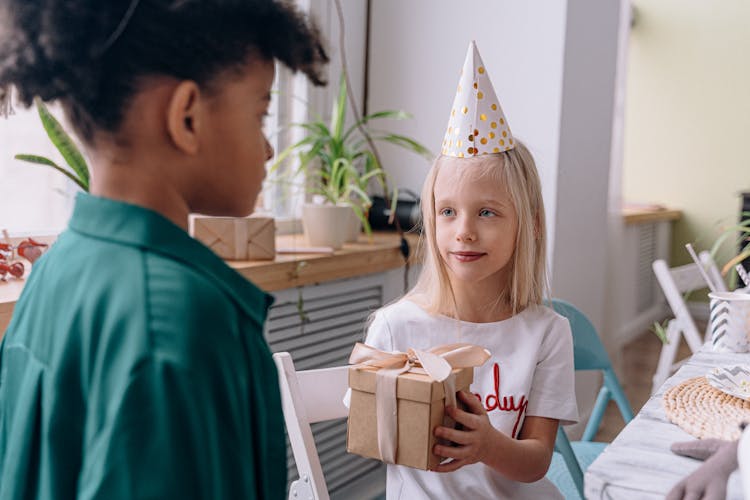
(417,49)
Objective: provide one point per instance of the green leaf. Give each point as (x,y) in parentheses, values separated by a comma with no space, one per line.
(339,110)
(289,150)
(366,201)
(362,216)
(317,128)
(660,330)
(731,231)
(735,260)
(407,143)
(392,114)
(63,143)
(41,160)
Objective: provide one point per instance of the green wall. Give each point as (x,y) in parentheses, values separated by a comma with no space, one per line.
(687,116)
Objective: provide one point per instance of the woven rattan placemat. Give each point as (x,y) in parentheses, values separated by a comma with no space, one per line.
(704,411)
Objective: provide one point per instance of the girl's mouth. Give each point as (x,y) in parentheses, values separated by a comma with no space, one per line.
(468,256)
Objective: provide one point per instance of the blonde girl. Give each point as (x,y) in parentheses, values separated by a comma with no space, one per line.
(483,281)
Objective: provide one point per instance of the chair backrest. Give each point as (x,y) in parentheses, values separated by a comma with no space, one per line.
(679,280)
(589,354)
(588,350)
(308,397)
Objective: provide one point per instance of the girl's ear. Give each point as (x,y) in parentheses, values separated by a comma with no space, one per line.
(183,117)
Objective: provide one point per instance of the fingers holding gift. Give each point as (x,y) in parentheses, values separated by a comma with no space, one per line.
(472,402)
(474,418)
(473,440)
(453,435)
(469,449)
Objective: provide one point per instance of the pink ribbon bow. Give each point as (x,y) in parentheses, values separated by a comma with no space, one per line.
(437,363)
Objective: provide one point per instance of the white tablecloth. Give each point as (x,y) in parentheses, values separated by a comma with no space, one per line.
(638,463)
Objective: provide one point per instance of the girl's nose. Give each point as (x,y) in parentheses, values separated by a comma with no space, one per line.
(269,149)
(466,232)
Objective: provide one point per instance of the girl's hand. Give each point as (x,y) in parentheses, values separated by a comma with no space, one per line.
(475,441)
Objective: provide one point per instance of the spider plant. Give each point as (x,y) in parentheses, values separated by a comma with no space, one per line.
(338,161)
(76,169)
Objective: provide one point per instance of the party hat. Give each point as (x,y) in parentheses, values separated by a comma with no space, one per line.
(477,125)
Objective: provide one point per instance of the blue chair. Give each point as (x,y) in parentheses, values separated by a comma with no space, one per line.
(572,459)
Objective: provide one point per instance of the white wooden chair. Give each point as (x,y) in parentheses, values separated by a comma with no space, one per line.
(308,397)
(674,283)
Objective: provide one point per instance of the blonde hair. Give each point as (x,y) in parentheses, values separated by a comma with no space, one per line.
(528,277)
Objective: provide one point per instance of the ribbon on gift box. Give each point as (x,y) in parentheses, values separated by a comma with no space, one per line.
(437,363)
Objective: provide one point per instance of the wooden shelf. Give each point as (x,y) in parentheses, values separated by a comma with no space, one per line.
(377,255)
(299,269)
(640,215)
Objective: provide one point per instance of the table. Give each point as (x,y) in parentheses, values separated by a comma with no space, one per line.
(638,463)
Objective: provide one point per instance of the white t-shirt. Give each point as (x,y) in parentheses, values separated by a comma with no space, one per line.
(530,373)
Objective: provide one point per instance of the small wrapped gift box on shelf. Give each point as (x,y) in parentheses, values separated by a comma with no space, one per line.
(397,400)
(237,238)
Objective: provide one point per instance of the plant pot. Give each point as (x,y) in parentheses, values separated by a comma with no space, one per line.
(326,225)
(354,229)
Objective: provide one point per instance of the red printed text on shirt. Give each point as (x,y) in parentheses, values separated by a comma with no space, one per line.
(495,402)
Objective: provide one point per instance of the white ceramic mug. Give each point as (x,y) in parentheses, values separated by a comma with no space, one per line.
(730,321)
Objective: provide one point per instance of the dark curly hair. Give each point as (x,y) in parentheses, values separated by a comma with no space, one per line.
(92,54)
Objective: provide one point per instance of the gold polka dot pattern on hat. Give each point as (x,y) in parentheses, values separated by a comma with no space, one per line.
(477,112)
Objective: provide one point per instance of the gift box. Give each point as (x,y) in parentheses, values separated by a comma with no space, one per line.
(401,429)
(420,408)
(237,238)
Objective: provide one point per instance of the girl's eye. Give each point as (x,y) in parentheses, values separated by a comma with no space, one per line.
(447,212)
(486,213)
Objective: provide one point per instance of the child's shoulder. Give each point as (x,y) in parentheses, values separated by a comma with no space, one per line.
(540,314)
(402,309)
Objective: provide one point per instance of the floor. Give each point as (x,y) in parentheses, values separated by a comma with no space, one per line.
(640,358)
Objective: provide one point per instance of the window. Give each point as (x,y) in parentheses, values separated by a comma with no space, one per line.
(282,196)
(34,199)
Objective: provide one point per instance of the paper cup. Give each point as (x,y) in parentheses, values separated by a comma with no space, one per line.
(730,321)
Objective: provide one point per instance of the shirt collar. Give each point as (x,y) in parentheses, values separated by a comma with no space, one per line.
(140,227)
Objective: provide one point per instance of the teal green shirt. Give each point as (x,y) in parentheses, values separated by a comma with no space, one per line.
(135,367)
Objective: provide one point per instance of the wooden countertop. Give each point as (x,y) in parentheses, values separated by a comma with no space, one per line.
(299,269)
(286,270)
(640,215)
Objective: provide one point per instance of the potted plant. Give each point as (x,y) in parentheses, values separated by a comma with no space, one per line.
(76,170)
(339,164)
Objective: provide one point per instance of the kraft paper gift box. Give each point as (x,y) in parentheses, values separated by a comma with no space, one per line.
(237,238)
(420,407)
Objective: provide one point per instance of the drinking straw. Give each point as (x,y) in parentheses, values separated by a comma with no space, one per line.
(695,258)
